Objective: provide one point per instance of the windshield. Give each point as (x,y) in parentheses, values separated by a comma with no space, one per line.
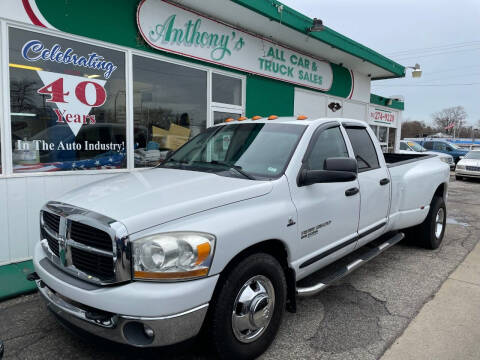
(473,155)
(456,147)
(254,151)
(416,147)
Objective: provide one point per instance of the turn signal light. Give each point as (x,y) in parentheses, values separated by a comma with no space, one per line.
(241,118)
(256,117)
(229,120)
(302,117)
(272,117)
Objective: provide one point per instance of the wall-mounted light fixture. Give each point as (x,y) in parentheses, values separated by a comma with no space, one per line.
(417,72)
(317,26)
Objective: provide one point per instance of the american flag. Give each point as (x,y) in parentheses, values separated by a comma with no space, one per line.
(111,160)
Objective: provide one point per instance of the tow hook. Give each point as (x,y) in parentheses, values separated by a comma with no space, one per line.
(33,276)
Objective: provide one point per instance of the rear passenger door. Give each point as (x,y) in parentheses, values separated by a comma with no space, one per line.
(374,182)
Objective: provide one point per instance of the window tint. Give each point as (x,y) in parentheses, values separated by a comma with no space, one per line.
(403,146)
(428,145)
(329,143)
(363,148)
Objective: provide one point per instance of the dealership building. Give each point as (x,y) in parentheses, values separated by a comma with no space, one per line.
(91,89)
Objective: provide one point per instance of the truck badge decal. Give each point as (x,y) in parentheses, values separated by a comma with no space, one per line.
(314,230)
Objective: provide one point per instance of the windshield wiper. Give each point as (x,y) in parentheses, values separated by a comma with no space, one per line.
(237,168)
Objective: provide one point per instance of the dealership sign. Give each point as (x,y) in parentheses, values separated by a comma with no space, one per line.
(170,27)
(381,116)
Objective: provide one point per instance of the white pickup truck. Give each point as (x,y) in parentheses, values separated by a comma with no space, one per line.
(223,236)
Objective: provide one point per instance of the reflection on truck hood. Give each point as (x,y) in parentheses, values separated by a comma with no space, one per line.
(146,198)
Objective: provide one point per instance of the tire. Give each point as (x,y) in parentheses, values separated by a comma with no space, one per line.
(432,230)
(458,177)
(228,336)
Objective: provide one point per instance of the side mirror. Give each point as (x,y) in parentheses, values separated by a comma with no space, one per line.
(336,170)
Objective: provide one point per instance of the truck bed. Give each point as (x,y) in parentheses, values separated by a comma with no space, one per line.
(400,159)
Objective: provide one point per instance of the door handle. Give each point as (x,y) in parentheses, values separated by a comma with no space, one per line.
(351,191)
(384,181)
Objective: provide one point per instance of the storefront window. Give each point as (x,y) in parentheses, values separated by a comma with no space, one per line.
(382,134)
(220,116)
(170,107)
(226,89)
(67,104)
(391,140)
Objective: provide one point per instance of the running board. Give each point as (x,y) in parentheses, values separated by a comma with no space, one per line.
(335,272)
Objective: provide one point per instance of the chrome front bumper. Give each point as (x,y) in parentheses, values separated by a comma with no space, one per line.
(135,331)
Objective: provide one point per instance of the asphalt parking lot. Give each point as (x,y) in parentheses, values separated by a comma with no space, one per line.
(358,318)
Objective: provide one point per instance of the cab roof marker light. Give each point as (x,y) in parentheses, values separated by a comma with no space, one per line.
(272,117)
(229,120)
(256,117)
(302,117)
(241,118)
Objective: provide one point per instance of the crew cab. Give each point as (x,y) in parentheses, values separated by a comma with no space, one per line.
(225,234)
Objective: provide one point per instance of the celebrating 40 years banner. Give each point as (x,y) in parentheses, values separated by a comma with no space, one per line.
(170,27)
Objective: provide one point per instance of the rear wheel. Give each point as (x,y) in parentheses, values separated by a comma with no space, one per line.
(247,308)
(432,230)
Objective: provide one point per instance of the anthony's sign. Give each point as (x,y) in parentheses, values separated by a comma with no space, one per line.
(169,27)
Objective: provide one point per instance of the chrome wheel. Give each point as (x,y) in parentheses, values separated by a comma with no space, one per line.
(439,220)
(253,309)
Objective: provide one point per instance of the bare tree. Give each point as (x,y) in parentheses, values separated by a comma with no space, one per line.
(415,128)
(451,119)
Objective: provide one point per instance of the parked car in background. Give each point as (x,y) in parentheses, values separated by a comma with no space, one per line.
(469,166)
(442,146)
(408,147)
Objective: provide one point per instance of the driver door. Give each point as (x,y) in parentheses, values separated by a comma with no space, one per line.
(327,213)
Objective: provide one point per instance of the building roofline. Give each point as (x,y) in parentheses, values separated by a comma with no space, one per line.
(299,22)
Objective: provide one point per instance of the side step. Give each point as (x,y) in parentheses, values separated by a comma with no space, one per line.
(325,277)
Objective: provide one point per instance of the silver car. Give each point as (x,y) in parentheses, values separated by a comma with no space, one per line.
(469,166)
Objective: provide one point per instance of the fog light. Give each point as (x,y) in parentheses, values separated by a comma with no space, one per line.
(148,331)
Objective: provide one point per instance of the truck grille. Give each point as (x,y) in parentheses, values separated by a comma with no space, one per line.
(83,250)
(52,242)
(473,168)
(90,236)
(52,221)
(98,265)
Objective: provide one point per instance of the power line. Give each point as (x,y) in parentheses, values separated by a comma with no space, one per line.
(434,85)
(434,54)
(439,47)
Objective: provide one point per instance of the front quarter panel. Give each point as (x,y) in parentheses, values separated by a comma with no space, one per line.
(241,225)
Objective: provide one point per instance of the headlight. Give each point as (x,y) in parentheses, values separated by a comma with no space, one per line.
(173,256)
(445,159)
(461,167)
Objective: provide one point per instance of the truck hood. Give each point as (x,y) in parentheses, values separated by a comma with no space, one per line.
(151,197)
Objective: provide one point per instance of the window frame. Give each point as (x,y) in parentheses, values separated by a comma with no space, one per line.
(5,118)
(355,126)
(314,140)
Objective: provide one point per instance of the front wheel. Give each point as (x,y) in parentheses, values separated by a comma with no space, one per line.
(248,307)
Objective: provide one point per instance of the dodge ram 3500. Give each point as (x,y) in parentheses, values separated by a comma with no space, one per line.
(224,235)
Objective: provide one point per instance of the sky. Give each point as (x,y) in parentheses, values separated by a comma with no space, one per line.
(442,36)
